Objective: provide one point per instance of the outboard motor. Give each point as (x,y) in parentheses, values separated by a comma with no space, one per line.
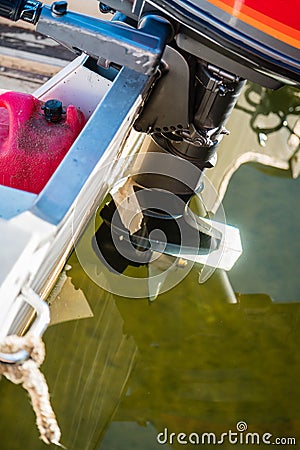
(216,46)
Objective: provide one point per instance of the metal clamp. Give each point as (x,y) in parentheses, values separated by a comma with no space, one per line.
(138,49)
(37,328)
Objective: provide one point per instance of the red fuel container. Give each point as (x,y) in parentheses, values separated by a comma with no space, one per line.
(34,138)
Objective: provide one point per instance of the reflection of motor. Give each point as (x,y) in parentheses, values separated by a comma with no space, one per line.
(118,249)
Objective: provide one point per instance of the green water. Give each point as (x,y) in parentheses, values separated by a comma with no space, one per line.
(266,210)
(191,362)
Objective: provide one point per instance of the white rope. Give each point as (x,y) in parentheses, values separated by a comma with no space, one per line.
(31,378)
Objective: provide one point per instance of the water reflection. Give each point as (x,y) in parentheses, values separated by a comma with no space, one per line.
(266,210)
(279,105)
(191,362)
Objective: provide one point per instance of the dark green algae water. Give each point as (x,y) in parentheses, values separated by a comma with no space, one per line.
(190,362)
